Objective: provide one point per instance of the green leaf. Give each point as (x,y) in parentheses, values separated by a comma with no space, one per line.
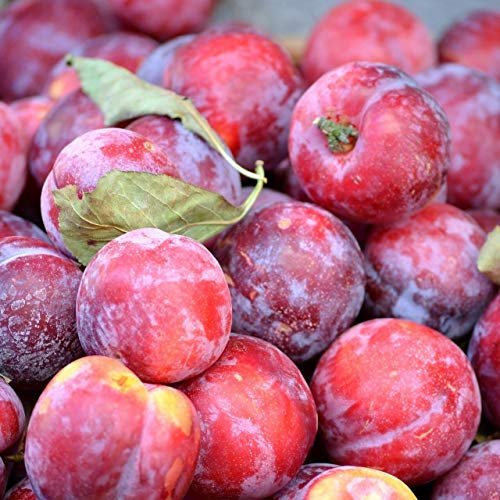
(488,261)
(123,201)
(121,95)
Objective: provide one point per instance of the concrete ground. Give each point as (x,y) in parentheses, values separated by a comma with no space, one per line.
(297,17)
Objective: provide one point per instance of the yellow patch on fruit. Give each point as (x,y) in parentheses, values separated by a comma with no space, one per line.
(284,223)
(174,408)
(68,372)
(122,381)
(149,146)
(172,477)
(44,405)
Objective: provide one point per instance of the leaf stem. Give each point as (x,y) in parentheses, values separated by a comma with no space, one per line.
(341,137)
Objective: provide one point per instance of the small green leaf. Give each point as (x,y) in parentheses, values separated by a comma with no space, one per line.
(123,201)
(121,95)
(488,261)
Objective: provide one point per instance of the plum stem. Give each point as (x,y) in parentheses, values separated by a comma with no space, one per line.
(14,457)
(341,138)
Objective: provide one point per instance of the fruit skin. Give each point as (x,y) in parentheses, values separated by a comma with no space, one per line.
(396,396)
(175,298)
(12,158)
(245,85)
(375,31)
(471,101)
(30,112)
(132,440)
(258,421)
(35,34)
(474,41)
(70,117)
(400,158)
(21,491)
(475,476)
(296,277)
(484,353)
(163,19)
(37,314)
(344,483)
(90,156)
(127,50)
(487,219)
(12,417)
(424,269)
(307,472)
(12,225)
(198,163)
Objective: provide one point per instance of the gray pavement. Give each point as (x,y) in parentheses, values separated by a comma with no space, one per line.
(297,17)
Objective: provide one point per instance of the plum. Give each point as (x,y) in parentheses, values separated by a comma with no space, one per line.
(172,292)
(70,118)
(368,30)
(484,353)
(296,277)
(258,421)
(368,144)
(471,101)
(38,288)
(424,269)
(127,50)
(245,85)
(396,396)
(474,41)
(35,34)
(86,159)
(476,476)
(132,440)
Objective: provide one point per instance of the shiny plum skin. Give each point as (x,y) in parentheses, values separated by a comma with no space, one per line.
(245,85)
(153,67)
(35,34)
(474,42)
(70,118)
(484,353)
(12,158)
(476,476)
(307,472)
(37,314)
(127,50)
(400,158)
(172,292)
(198,163)
(296,277)
(90,156)
(258,421)
(471,101)
(132,440)
(376,31)
(163,19)
(396,396)
(487,219)
(21,491)
(12,417)
(424,269)
(352,483)
(12,225)
(30,112)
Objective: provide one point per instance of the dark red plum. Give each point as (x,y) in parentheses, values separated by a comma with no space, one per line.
(484,353)
(476,476)
(35,34)
(296,277)
(424,269)
(38,289)
(70,117)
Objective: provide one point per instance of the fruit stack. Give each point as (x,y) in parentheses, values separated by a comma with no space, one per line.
(170,328)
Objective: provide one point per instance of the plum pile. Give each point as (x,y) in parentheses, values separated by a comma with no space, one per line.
(332,335)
